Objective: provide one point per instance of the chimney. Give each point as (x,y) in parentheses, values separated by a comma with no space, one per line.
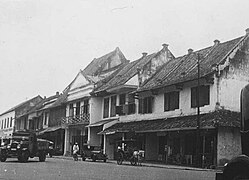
(57,93)
(165,46)
(216,42)
(44,97)
(144,54)
(247,31)
(190,51)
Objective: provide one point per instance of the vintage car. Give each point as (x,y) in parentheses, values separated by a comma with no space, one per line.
(24,145)
(93,152)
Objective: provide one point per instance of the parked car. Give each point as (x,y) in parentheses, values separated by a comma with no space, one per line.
(24,145)
(94,153)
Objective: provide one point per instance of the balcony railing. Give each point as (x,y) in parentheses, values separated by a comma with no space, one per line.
(77,119)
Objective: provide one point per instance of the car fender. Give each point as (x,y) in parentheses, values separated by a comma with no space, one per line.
(239,164)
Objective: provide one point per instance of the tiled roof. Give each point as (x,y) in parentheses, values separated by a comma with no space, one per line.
(61,99)
(21,104)
(125,73)
(40,105)
(184,68)
(94,66)
(221,118)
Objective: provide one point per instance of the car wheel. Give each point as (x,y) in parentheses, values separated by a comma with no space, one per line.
(19,158)
(94,158)
(42,157)
(25,156)
(3,158)
(104,160)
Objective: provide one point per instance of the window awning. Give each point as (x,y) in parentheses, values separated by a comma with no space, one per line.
(50,129)
(221,118)
(100,123)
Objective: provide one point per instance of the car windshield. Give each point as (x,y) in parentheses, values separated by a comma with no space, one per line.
(11,140)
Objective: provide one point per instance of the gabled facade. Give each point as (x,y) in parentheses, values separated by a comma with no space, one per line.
(80,108)
(116,98)
(165,121)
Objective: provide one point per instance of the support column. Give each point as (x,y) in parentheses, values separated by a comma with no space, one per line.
(67,142)
(104,148)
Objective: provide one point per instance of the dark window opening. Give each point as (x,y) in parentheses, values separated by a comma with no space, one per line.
(145,105)
(171,101)
(203,97)
(131,104)
(77,112)
(71,109)
(11,119)
(85,107)
(106,108)
(113,106)
(122,100)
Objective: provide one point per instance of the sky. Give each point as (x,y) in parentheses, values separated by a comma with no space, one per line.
(45,43)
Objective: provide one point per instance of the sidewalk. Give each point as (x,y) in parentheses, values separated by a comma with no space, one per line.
(150,164)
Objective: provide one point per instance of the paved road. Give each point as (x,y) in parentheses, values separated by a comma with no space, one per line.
(68,169)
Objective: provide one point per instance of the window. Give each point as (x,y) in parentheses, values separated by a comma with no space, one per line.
(77,112)
(8,120)
(122,99)
(203,97)
(46,118)
(171,101)
(145,105)
(71,110)
(86,107)
(11,119)
(106,108)
(113,106)
(131,104)
(5,123)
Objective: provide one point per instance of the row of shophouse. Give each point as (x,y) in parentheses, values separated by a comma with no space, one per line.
(151,101)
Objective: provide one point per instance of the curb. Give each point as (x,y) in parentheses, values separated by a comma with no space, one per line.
(151,165)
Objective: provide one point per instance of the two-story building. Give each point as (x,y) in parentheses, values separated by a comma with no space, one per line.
(80,107)
(117,100)
(167,125)
(9,119)
(50,117)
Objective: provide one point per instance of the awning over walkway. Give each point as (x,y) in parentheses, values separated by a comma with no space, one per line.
(221,118)
(100,123)
(50,129)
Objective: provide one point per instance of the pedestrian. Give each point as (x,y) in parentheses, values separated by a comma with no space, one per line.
(75,151)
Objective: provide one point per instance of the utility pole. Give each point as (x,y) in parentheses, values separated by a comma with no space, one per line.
(198,113)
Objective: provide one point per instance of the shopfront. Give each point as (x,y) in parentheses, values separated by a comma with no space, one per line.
(173,140)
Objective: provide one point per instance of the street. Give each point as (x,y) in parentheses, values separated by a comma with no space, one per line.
(55,168)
